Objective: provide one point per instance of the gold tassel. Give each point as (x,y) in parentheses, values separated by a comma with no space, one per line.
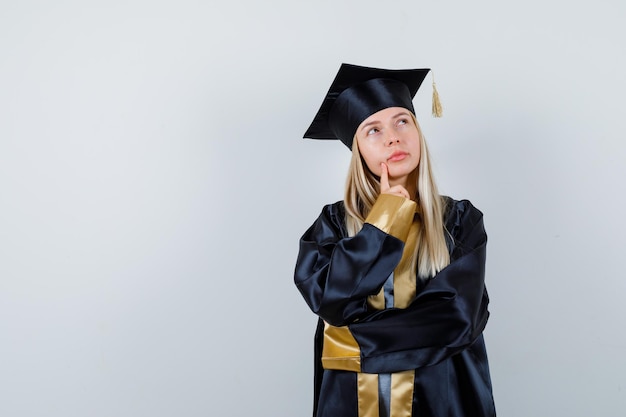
(437,108)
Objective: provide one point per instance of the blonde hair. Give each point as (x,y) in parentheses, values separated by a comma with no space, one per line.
(362,189)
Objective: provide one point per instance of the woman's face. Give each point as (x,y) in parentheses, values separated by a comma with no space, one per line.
(390,136)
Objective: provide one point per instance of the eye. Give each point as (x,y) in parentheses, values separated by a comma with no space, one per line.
(372,131)
(403,121)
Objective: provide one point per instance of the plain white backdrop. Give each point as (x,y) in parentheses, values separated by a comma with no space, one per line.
(154,185)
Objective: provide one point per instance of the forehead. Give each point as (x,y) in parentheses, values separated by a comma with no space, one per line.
(385,114)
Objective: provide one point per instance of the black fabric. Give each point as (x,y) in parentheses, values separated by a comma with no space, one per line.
(439,334)
(358,92)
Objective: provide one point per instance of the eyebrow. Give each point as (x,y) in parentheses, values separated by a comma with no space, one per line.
(402,113)
(373,122)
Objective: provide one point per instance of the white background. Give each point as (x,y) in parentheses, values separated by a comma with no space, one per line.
(154,185)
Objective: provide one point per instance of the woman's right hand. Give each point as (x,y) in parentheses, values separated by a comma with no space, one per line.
(385,188)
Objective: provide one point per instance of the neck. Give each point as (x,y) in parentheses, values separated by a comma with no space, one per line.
(409,183)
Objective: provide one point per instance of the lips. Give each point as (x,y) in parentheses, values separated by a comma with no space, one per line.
(397,156)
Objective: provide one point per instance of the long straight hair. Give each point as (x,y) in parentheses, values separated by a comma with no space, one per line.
(362,189)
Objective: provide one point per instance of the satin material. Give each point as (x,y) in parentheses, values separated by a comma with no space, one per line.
(377,302)
(340,349)
(337,290)
(402,384)
(360,101)
(358,92)
(439,335)
(368,395)
(384,395)
(444,318)
(404,277)
(393,215)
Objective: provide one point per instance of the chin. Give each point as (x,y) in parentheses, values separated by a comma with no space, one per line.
(401,171)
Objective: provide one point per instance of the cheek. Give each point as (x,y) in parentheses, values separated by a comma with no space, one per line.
(374,167)
(371,160)
(415,147)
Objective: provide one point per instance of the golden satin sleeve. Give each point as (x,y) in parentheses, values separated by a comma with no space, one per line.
(393,215)
(340,350)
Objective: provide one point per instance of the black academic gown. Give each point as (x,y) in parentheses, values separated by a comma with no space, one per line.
(439,335)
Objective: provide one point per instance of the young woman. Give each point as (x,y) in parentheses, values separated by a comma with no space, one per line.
(395,271)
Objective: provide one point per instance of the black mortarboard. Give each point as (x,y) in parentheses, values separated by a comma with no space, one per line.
(357,93)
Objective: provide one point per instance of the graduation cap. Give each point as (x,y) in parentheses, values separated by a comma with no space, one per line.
(358,92)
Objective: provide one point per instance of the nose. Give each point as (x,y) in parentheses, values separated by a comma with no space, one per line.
(391,140)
